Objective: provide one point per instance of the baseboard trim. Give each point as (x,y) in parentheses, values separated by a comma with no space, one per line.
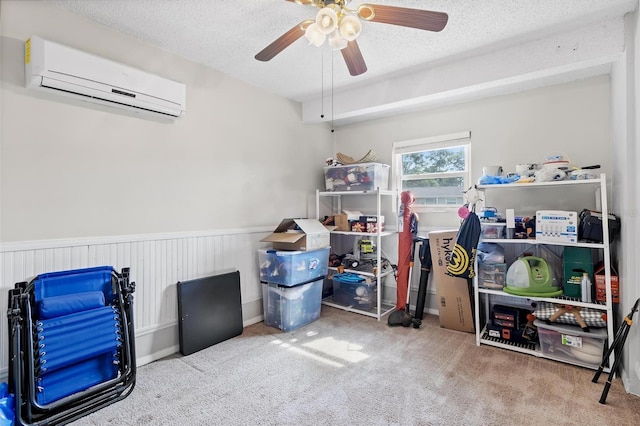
(176,348)
(157,355)
(254,320)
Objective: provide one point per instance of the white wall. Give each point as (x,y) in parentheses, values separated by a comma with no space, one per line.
(631,360)
(572,119)
(625,110)
(240,156)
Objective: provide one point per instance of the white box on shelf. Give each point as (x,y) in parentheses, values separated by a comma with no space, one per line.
(557,226)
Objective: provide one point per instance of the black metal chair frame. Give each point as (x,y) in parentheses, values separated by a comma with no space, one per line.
(23,365)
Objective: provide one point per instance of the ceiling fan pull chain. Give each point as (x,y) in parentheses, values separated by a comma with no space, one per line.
(321,83)
(332,129)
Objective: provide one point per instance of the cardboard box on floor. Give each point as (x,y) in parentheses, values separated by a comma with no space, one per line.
(300,235)
(454,295)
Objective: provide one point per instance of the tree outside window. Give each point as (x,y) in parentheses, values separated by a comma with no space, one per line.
(437,177)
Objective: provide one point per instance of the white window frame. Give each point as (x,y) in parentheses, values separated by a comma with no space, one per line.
(432,143)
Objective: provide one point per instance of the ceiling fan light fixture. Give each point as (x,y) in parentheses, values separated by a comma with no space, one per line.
(336,41)
(327,20)
(350,27)
(366,12)
(314,35)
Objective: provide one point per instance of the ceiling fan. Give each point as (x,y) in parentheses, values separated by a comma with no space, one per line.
(341,26)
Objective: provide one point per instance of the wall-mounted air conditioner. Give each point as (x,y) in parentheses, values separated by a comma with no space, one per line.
(59,69)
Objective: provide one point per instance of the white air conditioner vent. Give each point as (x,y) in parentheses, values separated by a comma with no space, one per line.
(59,69)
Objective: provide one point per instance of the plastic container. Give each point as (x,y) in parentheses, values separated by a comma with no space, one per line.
(291,268)
(492,275)
(570,344)
(289,308)
(492,230)
(357,177)
(327,287)
(355,291)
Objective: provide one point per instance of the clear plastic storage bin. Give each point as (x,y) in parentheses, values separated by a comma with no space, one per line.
(289,308)
(290,268)
(492,275)
(570,344)
(357,177)
(355,293)
(492,230)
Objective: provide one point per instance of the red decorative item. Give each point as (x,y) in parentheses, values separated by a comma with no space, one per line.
(357,227)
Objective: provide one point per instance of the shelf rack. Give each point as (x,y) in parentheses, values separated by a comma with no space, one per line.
(600,186)
(381,308)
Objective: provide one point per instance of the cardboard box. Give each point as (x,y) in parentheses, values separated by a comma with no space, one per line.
(353,215)
(341,222)
(454,294)
(601,292)
(299,235)
(557,226)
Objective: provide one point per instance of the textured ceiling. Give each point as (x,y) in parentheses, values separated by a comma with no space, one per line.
(226,35)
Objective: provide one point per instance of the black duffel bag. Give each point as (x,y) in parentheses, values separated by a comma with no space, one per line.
(590,228)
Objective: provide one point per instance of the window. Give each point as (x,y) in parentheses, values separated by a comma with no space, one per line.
(436,170)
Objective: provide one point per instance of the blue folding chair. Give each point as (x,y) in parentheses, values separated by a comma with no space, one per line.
(72,344)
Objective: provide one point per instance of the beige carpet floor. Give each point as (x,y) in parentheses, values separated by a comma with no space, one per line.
(347,369)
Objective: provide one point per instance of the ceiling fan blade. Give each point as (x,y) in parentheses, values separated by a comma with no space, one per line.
(405,17)
(353,57)
(283,41)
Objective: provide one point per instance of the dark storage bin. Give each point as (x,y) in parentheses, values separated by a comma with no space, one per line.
(355,291)
(590,228)
(507,316)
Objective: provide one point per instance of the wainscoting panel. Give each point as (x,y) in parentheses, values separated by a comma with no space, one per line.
(157,263)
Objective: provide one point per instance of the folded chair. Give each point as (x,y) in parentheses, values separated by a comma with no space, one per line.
(71,344)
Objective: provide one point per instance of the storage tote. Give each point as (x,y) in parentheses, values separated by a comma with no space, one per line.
(570,344)
(289,268)
(289,308)
(357,177)
(355,291)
